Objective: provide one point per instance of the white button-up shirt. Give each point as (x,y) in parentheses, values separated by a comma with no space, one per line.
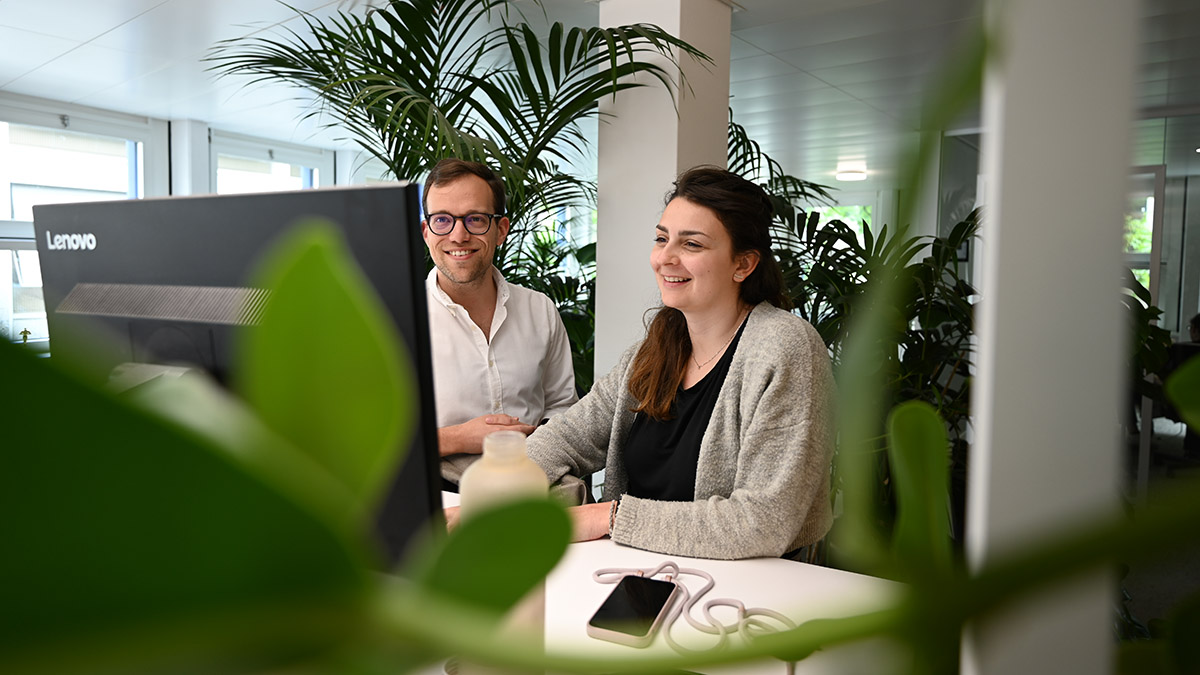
(522,369)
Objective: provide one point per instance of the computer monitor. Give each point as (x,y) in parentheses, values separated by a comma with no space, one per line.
(169,277)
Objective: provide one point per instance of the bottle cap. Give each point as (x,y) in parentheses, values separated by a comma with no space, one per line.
(504,445)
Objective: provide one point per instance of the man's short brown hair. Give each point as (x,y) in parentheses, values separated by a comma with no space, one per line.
(451,169)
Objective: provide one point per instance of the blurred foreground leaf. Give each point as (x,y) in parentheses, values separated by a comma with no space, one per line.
(920,466)
(325,368)
(204,409)
(132,543)
(1185,636)
(1142,658)
(1183,389)
(497,556)
(462,585)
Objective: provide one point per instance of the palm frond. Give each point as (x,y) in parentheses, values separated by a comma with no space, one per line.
(747,158)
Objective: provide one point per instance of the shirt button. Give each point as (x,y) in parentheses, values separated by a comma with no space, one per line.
(491,364)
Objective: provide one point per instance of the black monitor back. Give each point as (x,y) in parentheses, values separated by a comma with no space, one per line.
(143,246)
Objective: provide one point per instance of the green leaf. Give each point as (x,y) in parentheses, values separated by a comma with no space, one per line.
(495,558)
(918,450)
(1143,658)
(325,368)
(195,403)
(1183,390)
(586,254)
(1184,647)
(132,543)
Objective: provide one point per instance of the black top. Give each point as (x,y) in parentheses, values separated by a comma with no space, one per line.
(661,456)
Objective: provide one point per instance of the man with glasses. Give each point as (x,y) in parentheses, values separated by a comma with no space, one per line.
(501,358)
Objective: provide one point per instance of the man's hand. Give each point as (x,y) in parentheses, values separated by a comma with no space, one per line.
(468,436)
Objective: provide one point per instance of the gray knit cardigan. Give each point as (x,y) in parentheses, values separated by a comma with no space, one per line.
(762,479)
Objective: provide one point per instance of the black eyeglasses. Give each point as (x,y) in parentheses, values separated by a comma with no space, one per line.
(476,223)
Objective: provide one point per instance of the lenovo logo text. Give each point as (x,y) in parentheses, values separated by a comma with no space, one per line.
(71,242)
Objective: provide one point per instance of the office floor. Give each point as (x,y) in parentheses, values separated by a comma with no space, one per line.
(1156,587)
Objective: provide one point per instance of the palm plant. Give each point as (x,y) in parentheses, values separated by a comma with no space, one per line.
(1151,342)
(924,349)
(927,353)
(787,193)
(568,278)
(416,81)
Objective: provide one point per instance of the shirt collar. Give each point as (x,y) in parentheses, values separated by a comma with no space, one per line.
(436,291)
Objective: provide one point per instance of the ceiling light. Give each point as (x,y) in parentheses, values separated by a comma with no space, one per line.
(850,175)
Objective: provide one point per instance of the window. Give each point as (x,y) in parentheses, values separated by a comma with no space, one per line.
(53,166)
(852,215)
(241,174)
(22,312)
(53,153)
(43,165)
(1139,228)
(242,164)
(1141,206)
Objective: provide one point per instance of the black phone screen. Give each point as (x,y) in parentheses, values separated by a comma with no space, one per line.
(633,605)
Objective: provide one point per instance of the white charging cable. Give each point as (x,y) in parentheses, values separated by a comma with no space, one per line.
(751,622)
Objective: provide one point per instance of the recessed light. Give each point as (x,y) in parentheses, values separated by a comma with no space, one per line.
(1197,149)
(850,175)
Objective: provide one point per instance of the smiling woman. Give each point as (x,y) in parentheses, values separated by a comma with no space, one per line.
(714,431)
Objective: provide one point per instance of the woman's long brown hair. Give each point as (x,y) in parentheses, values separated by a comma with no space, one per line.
(745,211)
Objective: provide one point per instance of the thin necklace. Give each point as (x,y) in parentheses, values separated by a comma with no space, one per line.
(700,366)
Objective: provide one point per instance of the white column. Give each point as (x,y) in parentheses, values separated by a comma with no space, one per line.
(1057,118)
(928,198)
(190,171)
(643,146)
(157,158)
(886,210)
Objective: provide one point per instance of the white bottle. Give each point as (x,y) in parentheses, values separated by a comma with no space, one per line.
(505,473)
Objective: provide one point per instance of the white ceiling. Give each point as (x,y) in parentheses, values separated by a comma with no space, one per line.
(815,82)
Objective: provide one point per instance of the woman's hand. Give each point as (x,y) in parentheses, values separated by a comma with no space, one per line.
(589,521)
(451,513)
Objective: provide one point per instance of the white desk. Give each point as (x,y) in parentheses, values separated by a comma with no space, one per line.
(799,591)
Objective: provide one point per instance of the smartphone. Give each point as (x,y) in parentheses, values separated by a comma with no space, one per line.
(634,611)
